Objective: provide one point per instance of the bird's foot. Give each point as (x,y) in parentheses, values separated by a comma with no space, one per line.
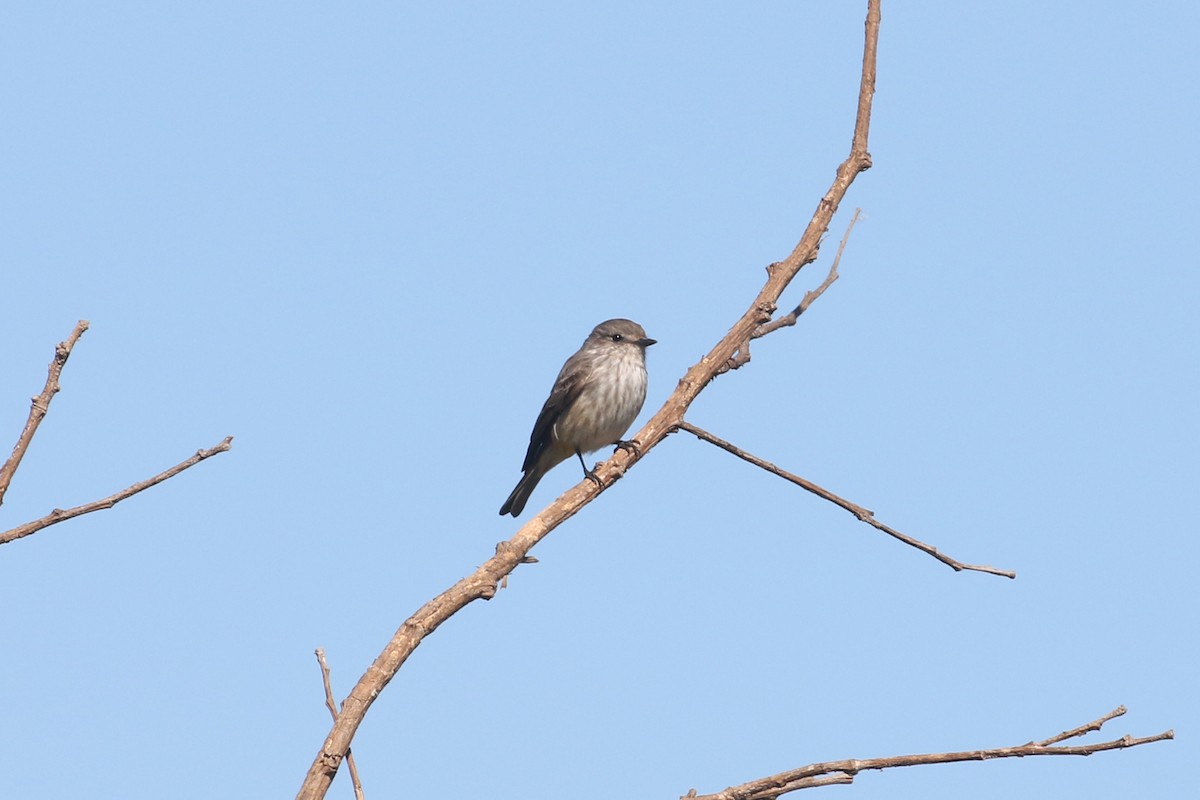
(629,446)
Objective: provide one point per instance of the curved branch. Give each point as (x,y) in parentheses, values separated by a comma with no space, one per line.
(730,351)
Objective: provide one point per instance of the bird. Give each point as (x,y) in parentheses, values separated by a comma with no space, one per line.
(596,397)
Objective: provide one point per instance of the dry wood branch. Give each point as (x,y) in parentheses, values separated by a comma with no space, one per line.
(773,786)
(331,704)
(733,348)
(812,295)
(1094,725)
(59,515)
(863,514)
(39,407)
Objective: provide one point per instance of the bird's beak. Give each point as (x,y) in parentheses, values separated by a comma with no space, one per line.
(644,343)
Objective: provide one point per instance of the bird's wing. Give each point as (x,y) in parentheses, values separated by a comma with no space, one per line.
(564,394)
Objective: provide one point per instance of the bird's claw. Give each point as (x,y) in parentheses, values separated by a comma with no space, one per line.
(629,446)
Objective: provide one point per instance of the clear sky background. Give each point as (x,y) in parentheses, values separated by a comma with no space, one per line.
(363,237)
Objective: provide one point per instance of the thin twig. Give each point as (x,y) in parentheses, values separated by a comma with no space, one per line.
(1094,725)
(810,296)
(863,514)
(812,783)
(773,786)
(59,515)
(331,704)
(39,407)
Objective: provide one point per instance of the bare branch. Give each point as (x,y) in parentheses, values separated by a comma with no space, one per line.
(812,295)
(812,783)
(773,786)
(730,352)
(1094,725)
(59,515)
(863,514)
(331,704)
(39,407)
(735,344)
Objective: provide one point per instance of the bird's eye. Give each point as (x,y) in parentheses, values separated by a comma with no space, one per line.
(616,337)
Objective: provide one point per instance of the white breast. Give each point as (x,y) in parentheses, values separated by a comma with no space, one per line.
(608,403)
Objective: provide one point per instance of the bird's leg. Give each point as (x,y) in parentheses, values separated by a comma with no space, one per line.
(629,446)
(590,474)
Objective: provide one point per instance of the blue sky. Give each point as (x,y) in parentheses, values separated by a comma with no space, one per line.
(362,239)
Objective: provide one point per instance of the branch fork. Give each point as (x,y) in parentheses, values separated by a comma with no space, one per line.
(823,774)
(40,406)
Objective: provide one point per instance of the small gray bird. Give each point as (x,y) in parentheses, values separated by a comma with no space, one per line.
(597,396)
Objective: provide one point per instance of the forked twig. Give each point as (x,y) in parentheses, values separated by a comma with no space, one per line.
(60,515)
(773,786)
(331,704)
(863,514)
(1094,725)
(812,294)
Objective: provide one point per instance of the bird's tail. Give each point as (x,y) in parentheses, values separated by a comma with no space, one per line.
(515,503)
